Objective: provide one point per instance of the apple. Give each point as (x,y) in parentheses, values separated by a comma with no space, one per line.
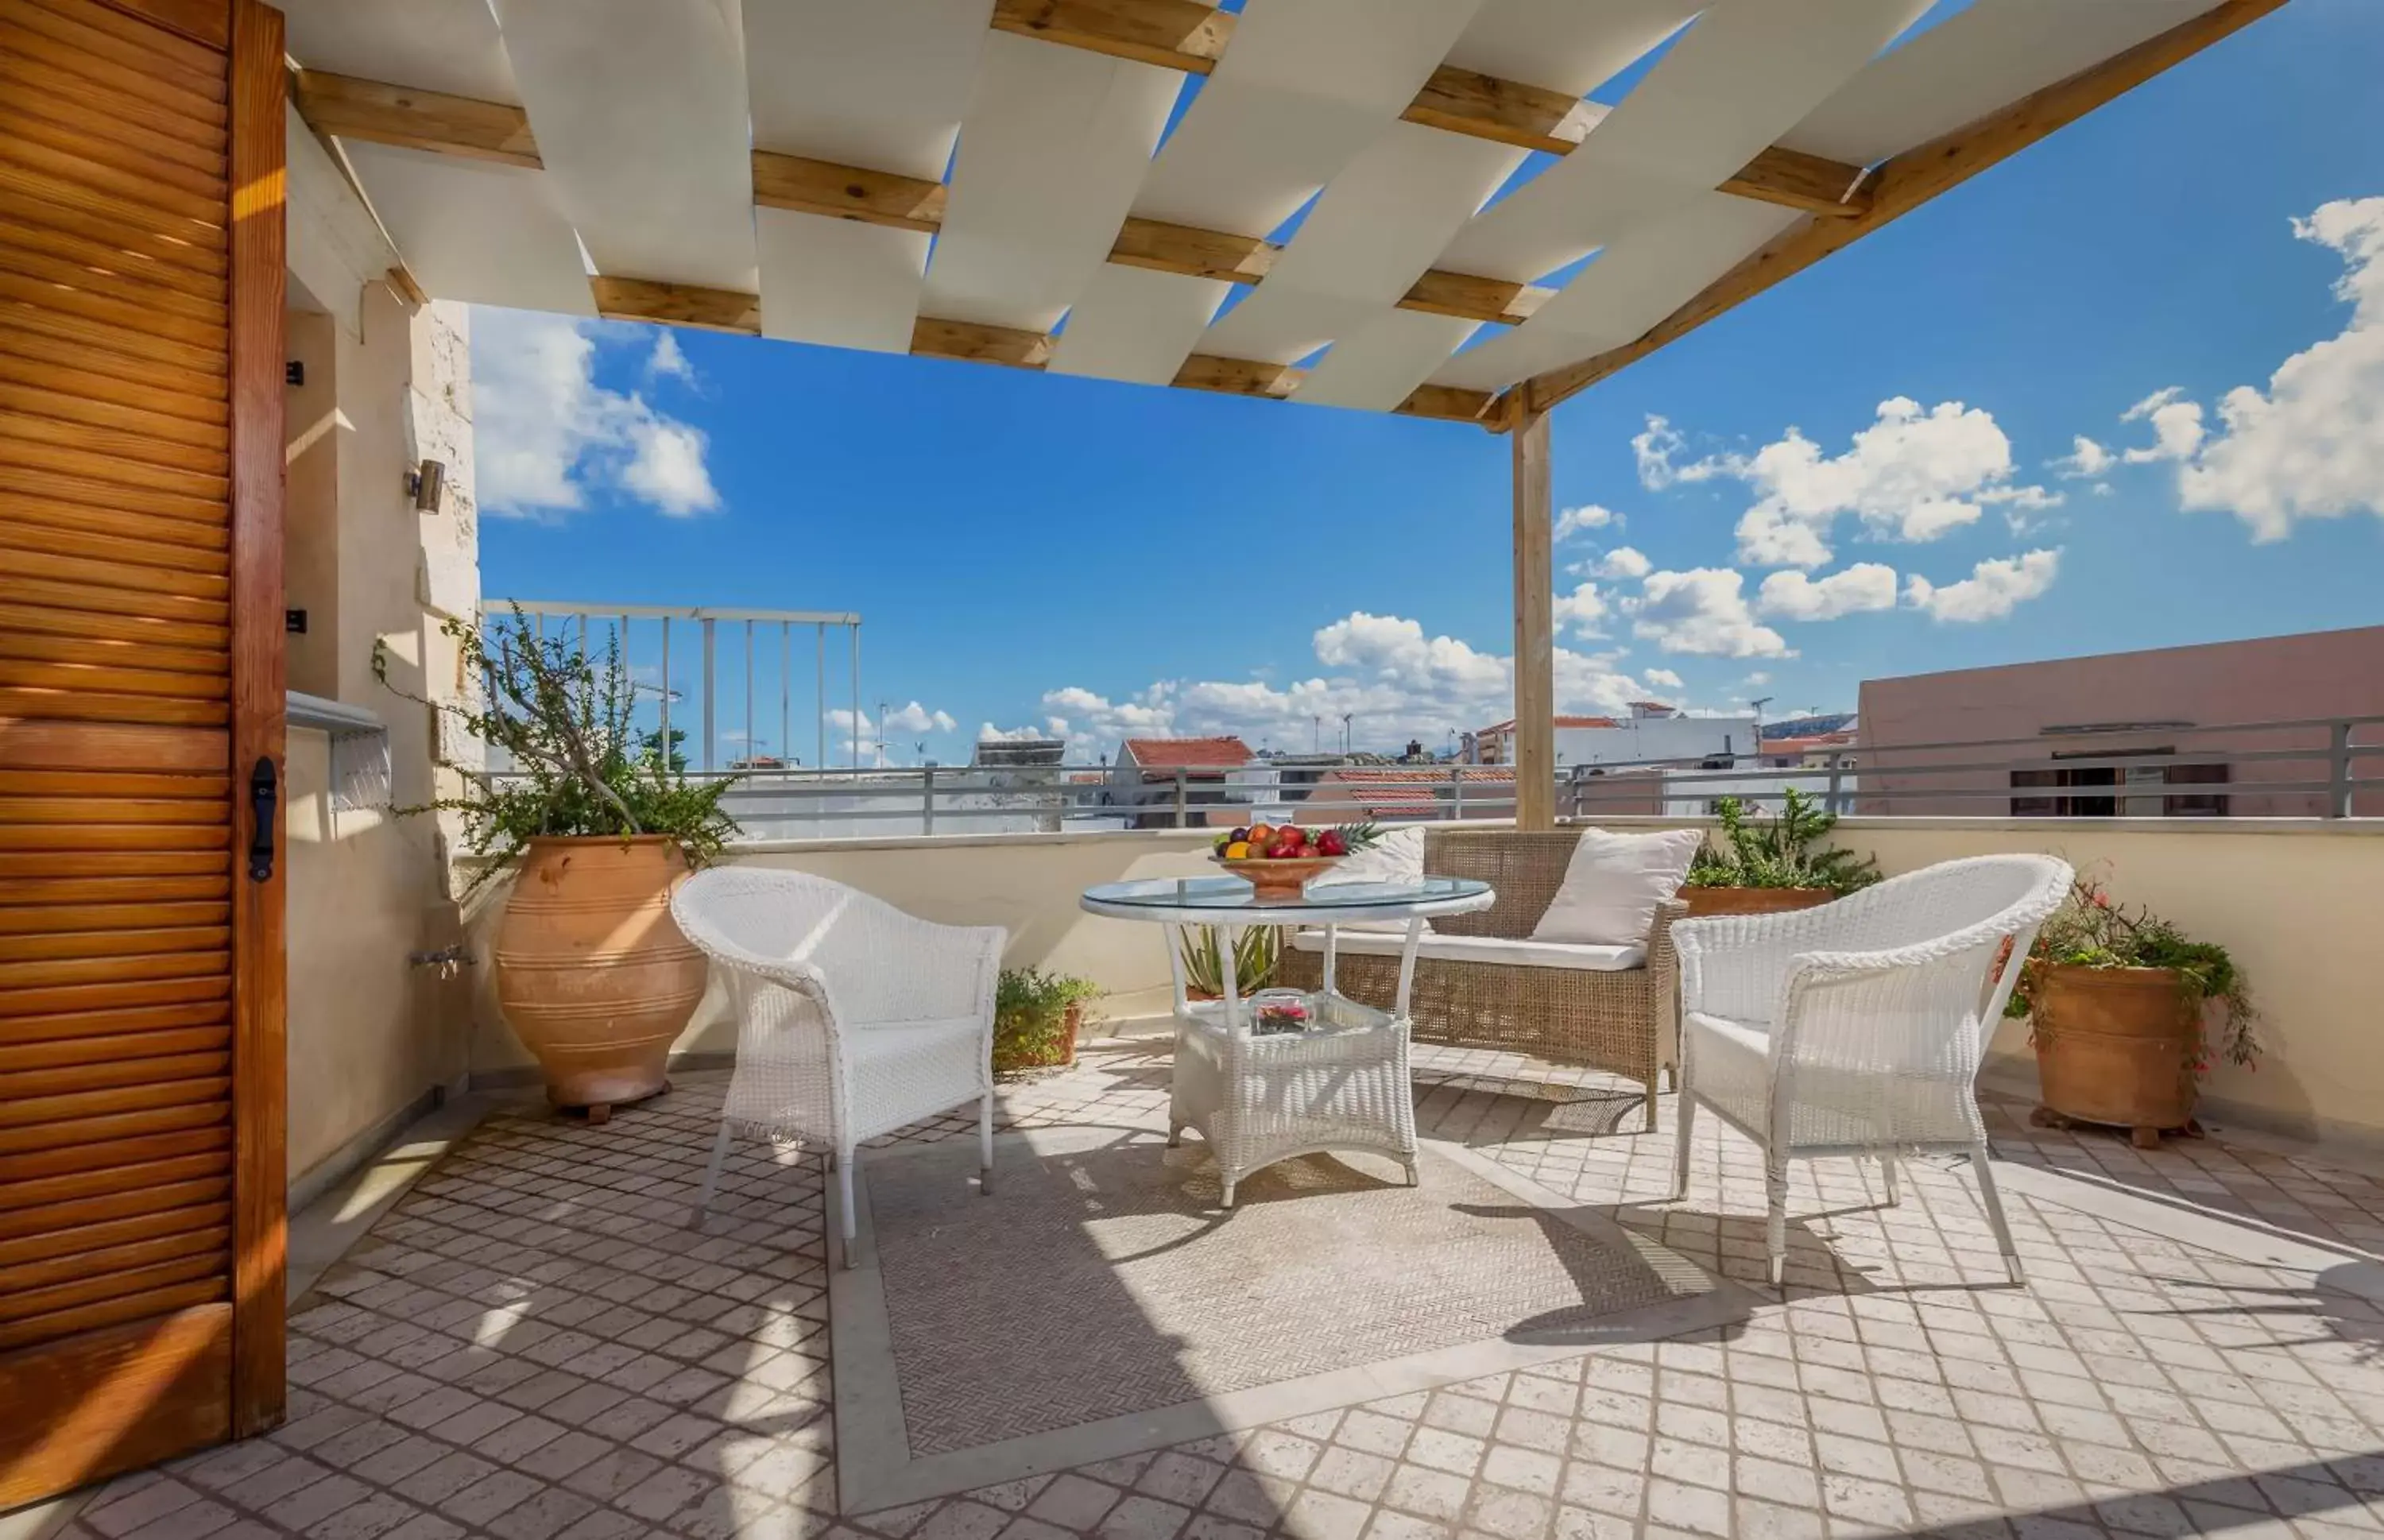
(1331,843)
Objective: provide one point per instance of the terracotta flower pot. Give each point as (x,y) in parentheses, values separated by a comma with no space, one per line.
(1752,901)
(591,970)
(2117,1046)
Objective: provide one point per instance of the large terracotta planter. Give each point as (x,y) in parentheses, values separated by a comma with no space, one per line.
(2116,1046)
(591,970)
(1752,901)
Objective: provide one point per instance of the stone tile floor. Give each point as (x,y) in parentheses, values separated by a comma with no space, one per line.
(530,1346)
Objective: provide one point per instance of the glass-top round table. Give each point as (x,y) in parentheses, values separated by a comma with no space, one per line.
(1283,1072)
(1230,901)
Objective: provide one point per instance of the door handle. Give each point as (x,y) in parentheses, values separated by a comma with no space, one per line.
(264,799)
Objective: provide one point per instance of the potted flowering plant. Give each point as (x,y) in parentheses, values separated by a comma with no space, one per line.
(2127,1015)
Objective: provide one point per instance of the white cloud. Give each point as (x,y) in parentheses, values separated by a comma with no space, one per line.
(1664,677)
(1759,677)
(1914,475)
(988,733)
(668,362)
(547,434)
(1653,450)
(913,719)
(1392,678)
(1794,596)
(2177,427)
(666,466)
(1992,590)
(2312,445)
(1583,609)
(1589,515)
(2085,460)
(1624,562)
(1704,611)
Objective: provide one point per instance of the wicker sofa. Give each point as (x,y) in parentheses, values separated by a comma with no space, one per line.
(1620,1021)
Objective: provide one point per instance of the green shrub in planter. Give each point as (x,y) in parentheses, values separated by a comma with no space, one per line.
(1034,1018)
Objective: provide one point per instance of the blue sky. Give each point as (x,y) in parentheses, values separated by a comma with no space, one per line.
(1028,547)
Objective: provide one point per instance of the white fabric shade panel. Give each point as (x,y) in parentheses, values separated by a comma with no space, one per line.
(474,231)
(882,85)
(1136,325)
(1056,141)
(647,116)
(1738,79)
(448,45)
(640,110)
(1303,88)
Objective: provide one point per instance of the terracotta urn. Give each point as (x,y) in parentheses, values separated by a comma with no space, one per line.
(1752,901)
(2116,1046)
(591,970)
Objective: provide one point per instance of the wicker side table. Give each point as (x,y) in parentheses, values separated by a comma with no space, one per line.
(1341,1083)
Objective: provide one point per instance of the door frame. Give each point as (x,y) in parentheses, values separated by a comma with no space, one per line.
(260,980)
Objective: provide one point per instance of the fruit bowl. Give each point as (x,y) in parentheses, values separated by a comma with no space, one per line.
(1280,859)
(1278,877)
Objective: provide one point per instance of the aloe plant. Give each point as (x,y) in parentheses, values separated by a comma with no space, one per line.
(1255,951)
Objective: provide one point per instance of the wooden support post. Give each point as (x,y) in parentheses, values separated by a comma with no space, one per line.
(1535,682)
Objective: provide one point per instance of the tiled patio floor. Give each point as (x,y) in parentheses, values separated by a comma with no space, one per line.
(530,1346)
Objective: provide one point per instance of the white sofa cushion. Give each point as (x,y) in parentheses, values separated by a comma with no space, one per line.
(1613,885)
(1398,856)
(1483,948)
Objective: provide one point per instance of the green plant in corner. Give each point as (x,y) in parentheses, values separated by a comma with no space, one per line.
(578,766)
(1779,851)
(1030,1017)
(1255,951)
(2090,930)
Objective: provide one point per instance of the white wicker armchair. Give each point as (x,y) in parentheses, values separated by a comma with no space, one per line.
(1857,1029)
(854,1018)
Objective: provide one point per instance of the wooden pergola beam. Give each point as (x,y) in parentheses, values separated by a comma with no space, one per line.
(1904,183)
(1193,252)
(824,187)
(1241,377)
(1795,180)
(639,299)
(976,342)
(1535,698)
(1442,293)
(353,109)
(1528,116)
(1449,404)
(1175,34)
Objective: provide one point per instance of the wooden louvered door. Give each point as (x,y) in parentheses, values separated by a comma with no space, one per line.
(141,966)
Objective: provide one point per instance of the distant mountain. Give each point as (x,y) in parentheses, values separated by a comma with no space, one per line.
(1809,726)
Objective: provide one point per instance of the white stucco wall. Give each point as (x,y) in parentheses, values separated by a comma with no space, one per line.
(387,384)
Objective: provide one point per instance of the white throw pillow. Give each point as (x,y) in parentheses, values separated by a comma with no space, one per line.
(1612,885)
(1398,856)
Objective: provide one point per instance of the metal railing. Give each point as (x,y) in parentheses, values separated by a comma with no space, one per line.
(627,626)
(796,803)
(2307,767)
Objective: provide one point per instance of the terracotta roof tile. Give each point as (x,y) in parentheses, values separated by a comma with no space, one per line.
(1191,753)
